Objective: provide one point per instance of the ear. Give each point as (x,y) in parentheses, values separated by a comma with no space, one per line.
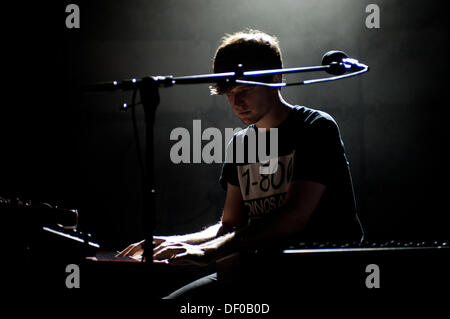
(277,78)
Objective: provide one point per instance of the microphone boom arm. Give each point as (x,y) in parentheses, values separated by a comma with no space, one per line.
(351,65)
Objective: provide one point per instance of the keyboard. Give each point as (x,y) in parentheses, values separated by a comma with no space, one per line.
(360,246)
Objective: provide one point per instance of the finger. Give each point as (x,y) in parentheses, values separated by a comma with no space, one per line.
(137,257)
(166,253)
(169,253)
(124,252)
(131,249)
(159,244)
(165,245)
(159,248)
(158,240)
(136,251)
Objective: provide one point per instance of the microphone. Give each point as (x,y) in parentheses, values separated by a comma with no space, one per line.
(334,62)
(335,59)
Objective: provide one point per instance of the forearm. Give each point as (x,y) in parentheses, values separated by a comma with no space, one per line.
(273,230)
(198,237)
(220,246)
(269,231)
(265,233)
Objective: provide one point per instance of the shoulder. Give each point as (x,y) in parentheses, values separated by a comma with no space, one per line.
(238,136)
(310,116)
(305,119)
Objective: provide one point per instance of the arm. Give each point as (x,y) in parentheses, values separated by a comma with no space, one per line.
(232,218)
(301,201)
(161,242)
(195,238)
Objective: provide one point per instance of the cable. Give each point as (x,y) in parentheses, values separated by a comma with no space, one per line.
(136,131)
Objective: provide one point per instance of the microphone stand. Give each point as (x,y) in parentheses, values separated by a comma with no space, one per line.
(150,99)
(149,91)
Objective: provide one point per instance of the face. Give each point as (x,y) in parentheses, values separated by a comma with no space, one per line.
(250,103)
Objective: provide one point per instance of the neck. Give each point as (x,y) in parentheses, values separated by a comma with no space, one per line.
(276,115)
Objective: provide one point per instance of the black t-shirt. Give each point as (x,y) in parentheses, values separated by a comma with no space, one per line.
(310,148)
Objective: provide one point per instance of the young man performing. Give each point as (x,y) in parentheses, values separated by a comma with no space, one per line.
(309,196)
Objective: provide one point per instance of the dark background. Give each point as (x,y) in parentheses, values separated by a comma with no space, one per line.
(78,150)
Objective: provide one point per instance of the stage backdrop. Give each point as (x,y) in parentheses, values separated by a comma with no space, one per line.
(78,150)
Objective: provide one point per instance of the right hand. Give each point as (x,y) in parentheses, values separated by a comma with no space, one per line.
(136,249)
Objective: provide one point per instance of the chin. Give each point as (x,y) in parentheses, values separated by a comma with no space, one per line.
(247,121)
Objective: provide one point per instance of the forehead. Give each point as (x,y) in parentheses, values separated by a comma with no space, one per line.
(242,88)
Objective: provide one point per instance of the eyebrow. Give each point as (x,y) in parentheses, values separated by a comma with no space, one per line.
(239,89)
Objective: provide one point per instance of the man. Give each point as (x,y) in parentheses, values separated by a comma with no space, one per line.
(308,197)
